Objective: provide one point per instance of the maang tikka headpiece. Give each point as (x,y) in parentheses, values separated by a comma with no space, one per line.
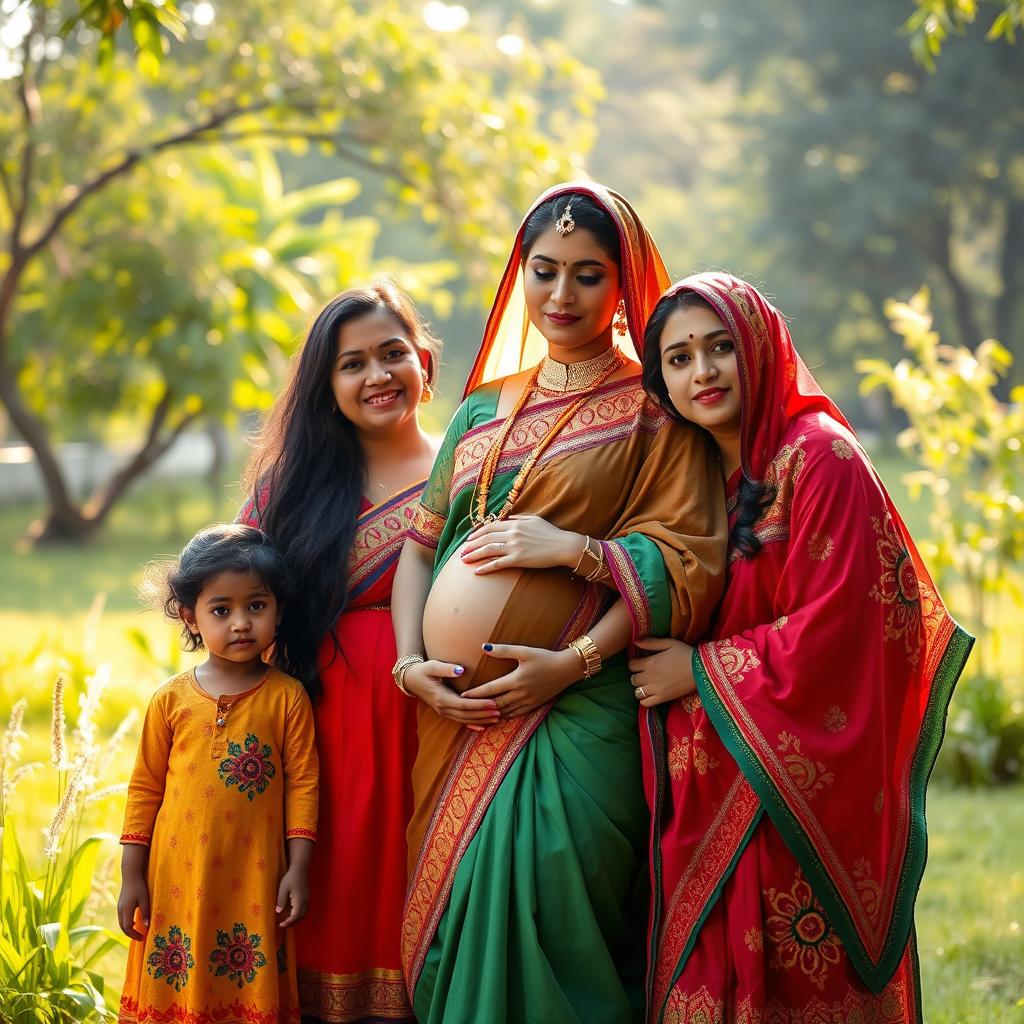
(565,225)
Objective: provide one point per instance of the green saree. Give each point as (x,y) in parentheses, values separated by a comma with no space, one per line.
(527,899)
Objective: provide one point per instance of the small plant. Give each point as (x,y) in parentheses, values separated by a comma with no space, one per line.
(969,450)
(50,943)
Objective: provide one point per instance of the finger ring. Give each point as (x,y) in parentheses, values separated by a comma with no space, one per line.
(502,543)
(640,693)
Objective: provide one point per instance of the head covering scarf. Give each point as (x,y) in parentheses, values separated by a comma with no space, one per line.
(828,675)
(511,343)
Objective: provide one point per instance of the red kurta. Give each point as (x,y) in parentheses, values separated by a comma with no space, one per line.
(788,792)
(347,947)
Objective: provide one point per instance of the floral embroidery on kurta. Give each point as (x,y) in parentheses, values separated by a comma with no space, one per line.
(250,768)
(237,955)
(171,959)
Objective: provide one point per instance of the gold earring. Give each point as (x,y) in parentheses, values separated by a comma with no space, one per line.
(621,325)
(428,392)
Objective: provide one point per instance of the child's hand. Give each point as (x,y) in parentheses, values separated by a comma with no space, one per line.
(134,896)
(292,897)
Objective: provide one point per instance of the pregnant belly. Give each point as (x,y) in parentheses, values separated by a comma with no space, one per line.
(464,611)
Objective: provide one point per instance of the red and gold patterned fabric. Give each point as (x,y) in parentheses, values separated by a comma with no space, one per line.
(348,945)
(822,696)
(217,787)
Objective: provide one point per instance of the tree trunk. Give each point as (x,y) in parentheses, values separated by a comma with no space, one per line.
(1008,306)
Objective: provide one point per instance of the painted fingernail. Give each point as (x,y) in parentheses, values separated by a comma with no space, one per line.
(458,670)
(488,647)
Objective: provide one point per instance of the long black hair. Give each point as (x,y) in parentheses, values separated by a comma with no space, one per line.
(754,497)
(307,475)
(586,213)
(224,547)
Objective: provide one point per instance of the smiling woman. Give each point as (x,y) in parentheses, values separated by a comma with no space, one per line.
(334,483)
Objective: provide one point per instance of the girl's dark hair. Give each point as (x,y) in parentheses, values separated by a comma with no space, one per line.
(306,477)
(753,497)
(224,547)
(588,215)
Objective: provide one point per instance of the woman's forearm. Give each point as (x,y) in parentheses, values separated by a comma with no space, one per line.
(613,630)
(409,597)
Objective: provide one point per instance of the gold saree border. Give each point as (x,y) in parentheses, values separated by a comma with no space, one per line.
(476,775)
(380,534)
(342,998)
(699,883)
(607,416)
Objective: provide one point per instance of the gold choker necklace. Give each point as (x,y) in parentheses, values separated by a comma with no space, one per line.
(564,377)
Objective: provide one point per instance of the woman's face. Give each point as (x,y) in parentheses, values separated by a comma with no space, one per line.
(698,361)
(572,288)
(378,374)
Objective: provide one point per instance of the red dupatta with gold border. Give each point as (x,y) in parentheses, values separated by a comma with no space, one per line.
(822,691)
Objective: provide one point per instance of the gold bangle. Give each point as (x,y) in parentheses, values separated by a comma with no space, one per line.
(583,554)
(402,666)
(598,570)
(587,650)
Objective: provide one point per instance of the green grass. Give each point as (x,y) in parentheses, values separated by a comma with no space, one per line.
(970,913)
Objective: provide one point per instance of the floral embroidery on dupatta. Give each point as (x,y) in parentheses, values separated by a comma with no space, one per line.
(782,474)
(736,661)
(810,776)
(898,587)
(800,933)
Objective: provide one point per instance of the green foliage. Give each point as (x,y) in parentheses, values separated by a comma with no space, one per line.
(968,445)
(158,268)
(801,145)
(51,945)
(935,20)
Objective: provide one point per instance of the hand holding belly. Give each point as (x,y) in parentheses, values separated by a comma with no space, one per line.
(540,676)
(521,542)
(426,680)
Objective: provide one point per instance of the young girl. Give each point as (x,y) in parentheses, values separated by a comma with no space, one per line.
(786,757)
(225,778)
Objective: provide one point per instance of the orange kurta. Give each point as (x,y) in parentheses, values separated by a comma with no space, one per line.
(217,788)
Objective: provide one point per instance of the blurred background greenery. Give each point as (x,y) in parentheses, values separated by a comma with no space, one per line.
(182,185)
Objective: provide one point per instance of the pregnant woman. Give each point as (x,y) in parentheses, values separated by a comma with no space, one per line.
(788,754)
(546,523)
(338,475)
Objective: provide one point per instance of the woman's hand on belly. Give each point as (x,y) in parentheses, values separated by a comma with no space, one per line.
(521,542)
(426,680)
(540,676)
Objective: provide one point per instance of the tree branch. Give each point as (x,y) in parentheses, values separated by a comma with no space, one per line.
(340,144)
(152,448)
(189,136)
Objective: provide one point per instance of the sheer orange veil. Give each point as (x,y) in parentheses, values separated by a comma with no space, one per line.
(511,343)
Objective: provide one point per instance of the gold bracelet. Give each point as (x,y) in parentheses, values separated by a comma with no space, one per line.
(598,569)
(583,554)
(587,650)
(401,667)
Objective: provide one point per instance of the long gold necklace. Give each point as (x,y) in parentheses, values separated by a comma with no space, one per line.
(478,513)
